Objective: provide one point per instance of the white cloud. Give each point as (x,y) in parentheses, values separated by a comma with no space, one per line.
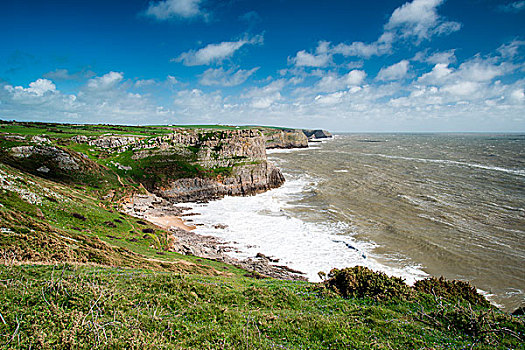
(332,82)
(515,7)
(463,88)
(106,82)
(169,9)
(437,76)
(420,19)
(171,80)
(215,53)
(266,96)
(394,72)
(305,59)
(330,99)
(481,70)
(145,82)
(39,87)
(518,95)
(223,77)
(380,47)
(321,58)
(511,49)
(103,99)
(445,57)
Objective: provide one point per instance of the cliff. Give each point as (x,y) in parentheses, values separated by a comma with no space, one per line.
(192,165)
(280,138)
(317,134)
(292,138)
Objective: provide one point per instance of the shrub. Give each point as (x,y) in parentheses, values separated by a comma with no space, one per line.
(451,290)
(362,282)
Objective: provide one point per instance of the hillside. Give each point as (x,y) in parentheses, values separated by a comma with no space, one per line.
(80,269)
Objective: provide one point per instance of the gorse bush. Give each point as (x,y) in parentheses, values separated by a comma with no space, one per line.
(451,290)
(362,282)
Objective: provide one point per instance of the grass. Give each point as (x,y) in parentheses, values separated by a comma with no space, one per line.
(73,306)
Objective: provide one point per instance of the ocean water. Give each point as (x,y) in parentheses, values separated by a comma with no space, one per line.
(410,205)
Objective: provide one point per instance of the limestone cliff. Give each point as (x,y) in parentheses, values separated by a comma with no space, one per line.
(281,138)
(192,165)
(317,134)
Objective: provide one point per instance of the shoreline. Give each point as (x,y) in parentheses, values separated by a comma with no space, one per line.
(169,217)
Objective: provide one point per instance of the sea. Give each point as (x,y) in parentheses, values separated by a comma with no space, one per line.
(409,205)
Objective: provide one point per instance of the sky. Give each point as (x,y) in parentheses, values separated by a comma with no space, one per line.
(341,65)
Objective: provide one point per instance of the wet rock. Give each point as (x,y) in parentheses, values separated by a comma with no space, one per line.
(317,134)
(285,139)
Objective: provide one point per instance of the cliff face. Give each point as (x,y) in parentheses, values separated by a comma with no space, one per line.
(277,138)
(181,164)
(245,180)
(192,165)
(317,134)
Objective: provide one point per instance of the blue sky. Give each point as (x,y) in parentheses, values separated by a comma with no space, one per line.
(420,65)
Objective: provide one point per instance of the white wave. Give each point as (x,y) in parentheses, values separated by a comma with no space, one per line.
(341,171)
(519,172)
(263,223)
(284,150)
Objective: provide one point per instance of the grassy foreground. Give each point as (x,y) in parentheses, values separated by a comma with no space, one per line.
(71,306)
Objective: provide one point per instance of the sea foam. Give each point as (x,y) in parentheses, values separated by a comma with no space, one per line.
(264,223)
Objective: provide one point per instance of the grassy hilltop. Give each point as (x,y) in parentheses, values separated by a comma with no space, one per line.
(76,272)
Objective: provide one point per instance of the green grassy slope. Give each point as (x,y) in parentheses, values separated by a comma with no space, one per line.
(67,306)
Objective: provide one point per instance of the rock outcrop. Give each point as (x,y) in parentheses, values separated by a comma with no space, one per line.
(57,156)
(194,165)
(245,180)
(317,134)
(290,138)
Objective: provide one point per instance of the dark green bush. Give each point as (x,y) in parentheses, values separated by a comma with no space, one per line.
(451,290)
(362,282)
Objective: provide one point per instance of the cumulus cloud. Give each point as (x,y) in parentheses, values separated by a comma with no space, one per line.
(264,97)
(215,53)
(222,77)
(105,82)
(394,72)
(332,82)
(170,9)
(478,70)
(437,76)
(37,88)
(420,19)
(381,46)
(445,57)
(101,99)
(321,57)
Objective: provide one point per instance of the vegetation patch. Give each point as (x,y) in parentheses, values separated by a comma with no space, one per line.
(451,290)
(362,282)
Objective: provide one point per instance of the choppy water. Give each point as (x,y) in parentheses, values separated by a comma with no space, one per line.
(409,205)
